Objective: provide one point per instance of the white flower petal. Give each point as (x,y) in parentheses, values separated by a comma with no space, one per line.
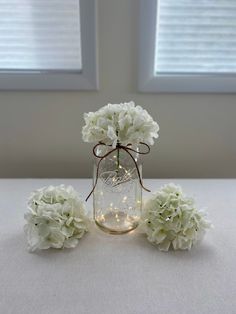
(165,245)
(159,236)
(71,243)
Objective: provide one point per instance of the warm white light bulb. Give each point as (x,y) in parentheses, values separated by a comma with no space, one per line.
(124,199)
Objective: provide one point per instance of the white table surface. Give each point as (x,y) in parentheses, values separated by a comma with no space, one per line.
(119,274)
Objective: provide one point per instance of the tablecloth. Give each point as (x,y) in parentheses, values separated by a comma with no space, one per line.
(119,274)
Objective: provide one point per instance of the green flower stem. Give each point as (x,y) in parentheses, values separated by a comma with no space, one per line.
(117,160)
(117,155)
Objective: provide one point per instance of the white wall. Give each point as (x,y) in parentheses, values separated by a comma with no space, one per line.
(40,132)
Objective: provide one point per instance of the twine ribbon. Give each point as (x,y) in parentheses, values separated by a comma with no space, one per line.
(119,147)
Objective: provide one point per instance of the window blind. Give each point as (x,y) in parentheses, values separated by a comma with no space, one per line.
(195,36)
(40,35)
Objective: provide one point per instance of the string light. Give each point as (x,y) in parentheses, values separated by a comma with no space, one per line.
(124,199)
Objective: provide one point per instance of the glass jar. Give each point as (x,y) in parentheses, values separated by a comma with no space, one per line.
(117,197)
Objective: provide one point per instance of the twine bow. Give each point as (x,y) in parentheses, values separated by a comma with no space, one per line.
(119,147)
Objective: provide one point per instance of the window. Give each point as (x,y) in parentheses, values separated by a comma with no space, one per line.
(48,44)
(187,46)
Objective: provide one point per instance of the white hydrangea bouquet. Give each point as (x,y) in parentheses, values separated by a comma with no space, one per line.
(171,220)
(120,123)
(56,218)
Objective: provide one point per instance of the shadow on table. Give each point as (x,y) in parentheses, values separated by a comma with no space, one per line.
(200,251)
(17,244)
(133,242)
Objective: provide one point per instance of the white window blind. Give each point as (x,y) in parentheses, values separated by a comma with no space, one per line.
(195,36)
(40,35)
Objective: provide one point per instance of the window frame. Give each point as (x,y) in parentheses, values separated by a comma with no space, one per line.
(171,83)
(86,79)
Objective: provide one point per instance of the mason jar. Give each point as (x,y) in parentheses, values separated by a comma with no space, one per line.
(117,197)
